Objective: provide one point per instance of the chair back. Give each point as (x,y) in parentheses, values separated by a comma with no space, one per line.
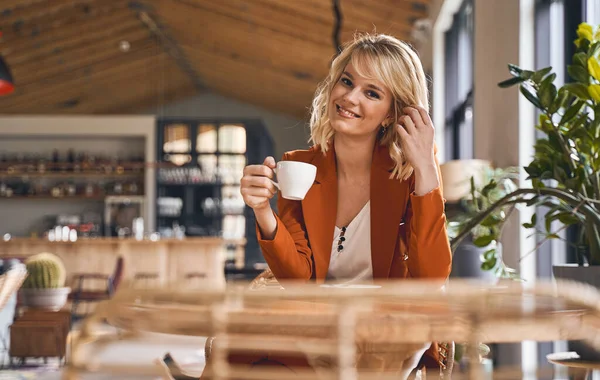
(117,275)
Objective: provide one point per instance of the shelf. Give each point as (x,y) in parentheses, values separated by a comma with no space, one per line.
(69,175)
(65,198)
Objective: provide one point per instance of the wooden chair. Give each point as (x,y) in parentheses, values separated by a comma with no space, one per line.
(267,279)
(80,294)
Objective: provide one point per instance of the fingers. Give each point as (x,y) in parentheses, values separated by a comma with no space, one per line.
(407,123)
(256,192)
(419,116)
(258,182)
(256,186)
(258,170)
(402,132)
(270,162)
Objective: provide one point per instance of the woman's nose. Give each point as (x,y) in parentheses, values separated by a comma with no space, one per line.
(351,96)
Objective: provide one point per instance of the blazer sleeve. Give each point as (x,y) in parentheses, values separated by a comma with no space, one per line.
(288,255)
(429,254)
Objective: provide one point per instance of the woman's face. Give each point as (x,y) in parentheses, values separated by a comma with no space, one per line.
(358,106)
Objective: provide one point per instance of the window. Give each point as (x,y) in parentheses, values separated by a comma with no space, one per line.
(592,12)
(556,25)
(459,85)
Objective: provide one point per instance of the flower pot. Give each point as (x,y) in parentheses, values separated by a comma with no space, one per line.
(591,276)
(52,298)
(586,274)
(466,262)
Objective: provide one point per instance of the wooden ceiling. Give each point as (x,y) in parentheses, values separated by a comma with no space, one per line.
(123,56)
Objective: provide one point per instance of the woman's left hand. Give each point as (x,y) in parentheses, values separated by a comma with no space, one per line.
(416,137)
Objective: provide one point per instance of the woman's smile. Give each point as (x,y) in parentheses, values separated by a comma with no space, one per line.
(343,112)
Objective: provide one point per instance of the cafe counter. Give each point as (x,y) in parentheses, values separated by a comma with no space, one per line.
(162,261)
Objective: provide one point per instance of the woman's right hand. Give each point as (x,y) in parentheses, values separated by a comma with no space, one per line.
(256,186)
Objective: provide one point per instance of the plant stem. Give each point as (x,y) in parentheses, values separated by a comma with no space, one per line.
(588,211)
(566,151)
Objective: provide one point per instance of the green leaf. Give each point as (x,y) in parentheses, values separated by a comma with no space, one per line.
(489,265)
(510,82)
(572,111)
(594,48)
(578,89)
(514,70)
(489,254)
(561,101)
(540,74)
(533,171)
(532,223)
(526,74)
(580,59)
(567,218)
(531,97)
(489,187)
(491,221)
(552,236)
(547,94)
(579,73)
(548,175)
(483,241)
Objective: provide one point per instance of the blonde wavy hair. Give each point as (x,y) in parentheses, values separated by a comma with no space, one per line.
(388,60)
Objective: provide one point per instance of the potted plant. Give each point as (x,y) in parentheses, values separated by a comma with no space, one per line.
(44,286)
(565,169)
(471,192)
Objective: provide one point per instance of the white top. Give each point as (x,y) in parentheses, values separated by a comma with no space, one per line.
(353,263)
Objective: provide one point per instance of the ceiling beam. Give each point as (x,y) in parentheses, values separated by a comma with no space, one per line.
(252,43)
(171,47)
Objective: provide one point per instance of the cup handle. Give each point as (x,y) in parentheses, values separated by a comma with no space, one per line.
(275,183)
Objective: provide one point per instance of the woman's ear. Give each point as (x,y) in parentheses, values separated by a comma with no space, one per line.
(388,120)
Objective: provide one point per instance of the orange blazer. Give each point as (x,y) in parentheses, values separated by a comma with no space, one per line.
(408,232)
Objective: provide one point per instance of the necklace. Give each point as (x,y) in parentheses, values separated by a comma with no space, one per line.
(341,240)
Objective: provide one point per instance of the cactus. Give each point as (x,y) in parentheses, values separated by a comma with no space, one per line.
(45,271)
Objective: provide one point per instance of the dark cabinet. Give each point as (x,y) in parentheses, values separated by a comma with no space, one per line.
(200,164)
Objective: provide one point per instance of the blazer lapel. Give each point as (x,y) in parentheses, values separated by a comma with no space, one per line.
(387,209)
(320,209)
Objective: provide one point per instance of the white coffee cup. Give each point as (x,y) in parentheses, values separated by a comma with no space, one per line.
(294,178)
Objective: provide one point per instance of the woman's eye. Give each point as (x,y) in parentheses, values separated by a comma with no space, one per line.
(373,94)
(347,81)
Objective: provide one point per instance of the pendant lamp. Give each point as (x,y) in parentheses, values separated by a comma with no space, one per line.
(7,85)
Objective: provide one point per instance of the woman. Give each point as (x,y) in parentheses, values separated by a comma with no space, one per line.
(375,210)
